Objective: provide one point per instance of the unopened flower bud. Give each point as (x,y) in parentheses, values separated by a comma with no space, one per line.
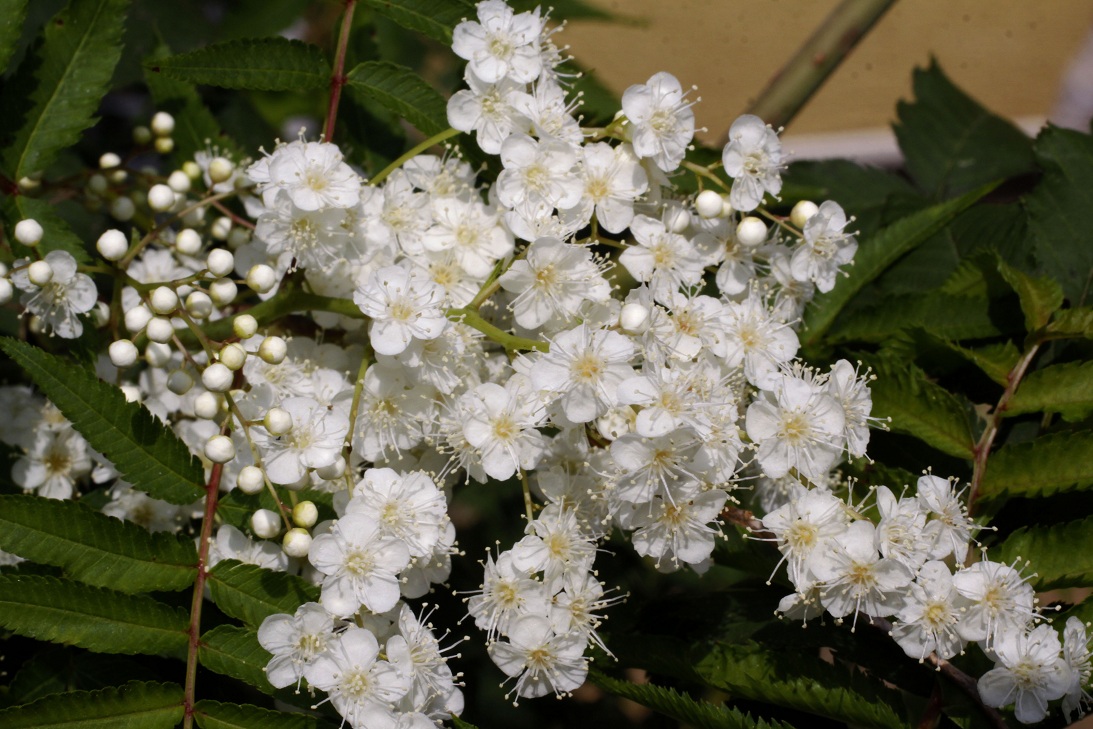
(192,169)
(709,204)
(163,300)
(179,182)
(199,305)
(112,245)
(250,480)
(261,278)
(217,378)
(122,209)
(305,514)
(278,421)
(233,356)
(751,232)
(244,326)
(28,232)
(223,291)
(296,543)
(801,212)
(634,318)
(265,523)
(188,242)
(142,135)
(6,291)
(220,262)
(179,382)
(40,273)
(162,124)
(157,354)
(137,318)
(109,161)
(97,184)
(273,350)
(220,228)
(676,217)
(219,449)
(159,329)
(332,472)
(220,169)
(207,406)
(164,145)
(123,353)
(161,198)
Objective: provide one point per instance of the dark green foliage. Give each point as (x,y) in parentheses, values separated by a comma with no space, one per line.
(263,64)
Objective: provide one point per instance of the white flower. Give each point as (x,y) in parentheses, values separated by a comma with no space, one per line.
(666,261)
(949,529)
(295,641)
(554,546)
(471,231)
(613,180)
(662,123)
(53,464)
(553,280)
(1001,600)
(59,301)
(796,426)
(757,340)
(753,158)
(409,507)
(899,532)
(312,173)
(825,247)
(502,44)
(551,117)
(404,305)
(230,543)
(501,423)
(678,529)
(583,369)
(1028,674)
(852,393)
(314,441)
(928,618)
(544,661)
(538,173)
(810,521)
(1077,655)
(856,579)
(416,652)
(486,109)
(507,593)
(360,565)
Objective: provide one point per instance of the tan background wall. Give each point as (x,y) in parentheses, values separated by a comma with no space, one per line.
(1009,54)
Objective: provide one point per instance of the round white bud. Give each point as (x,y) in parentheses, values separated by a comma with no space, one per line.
(162,124)
(220,228)
(751,232)
(332,472)
(305,514)
(223,291)
(112,245)
(297,543)
(123,353)
(137,318)
(142,135)
(199,305)
(709,204)
(6,291)
(217,378)
(29,232)
(120,175)
(157,354)
(237,237)
(163,300)
(220,169)
(272,350)
(193,217)
(122,209)
(250,480)
(159,329)
(261,278)
(97,184)
(219,449)
(206,406)
(265,523)
(109,161)
(801,212)
(244,326)
(278,421)
(161,198)
(179,182)
(192,169)
(164,145)
(233,356)
(188,242)
(40,273)
(676,217)
(726,209)
(634,318)
(179,382)
(220,262)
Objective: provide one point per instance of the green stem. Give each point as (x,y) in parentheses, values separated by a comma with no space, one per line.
(802,76)
(337,78)
(287,301)
(354,408)
(155,232)
(509,341)
(418,149)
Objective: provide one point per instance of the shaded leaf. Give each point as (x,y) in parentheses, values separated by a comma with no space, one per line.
(943,315)
(1047,465)
(1066,389)
(95,548)
(251,593)
(951,144)
(236,652)
(145,452)
(12,15)
(1040,296)
(996,360)
(58,669)
(136,705)
(922,408)
(1061,554)
(262,64)
(219,715)
(433,18)
(403,92)
(100,620)
(1071,323)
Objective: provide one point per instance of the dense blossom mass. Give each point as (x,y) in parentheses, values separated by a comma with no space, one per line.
(624,352)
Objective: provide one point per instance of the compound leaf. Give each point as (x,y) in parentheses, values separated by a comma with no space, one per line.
(1066,389)
(1062,554)
(434,18)
(401,91)
(251,593)
(261,64)
(219,715)
(923,409)
(236,652)
(1042,467)
(135,705)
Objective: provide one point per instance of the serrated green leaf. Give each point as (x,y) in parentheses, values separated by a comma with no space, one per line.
(1069,323)
(434,18)
(59,669)
(262,64)
(95,618)
(923,409)
(1060,238)
(951,144)
(136,705)
(95,548)
(868,187)
(943,315)
(1040,296)
(1047,465)
(747,670)
(218,715)
(56,233)
(63,79)
(12,15)
(236,652)
(252,593)
(877,253)
(996,360)
(403,92)
(1066,389)
(145,452)
(681,707)
(1061,554)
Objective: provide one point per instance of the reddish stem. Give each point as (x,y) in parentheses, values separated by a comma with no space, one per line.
(337,78)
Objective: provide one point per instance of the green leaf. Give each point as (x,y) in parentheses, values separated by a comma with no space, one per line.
(262,64)
(1047,465)
(403,92)
(940,314)
(58,669)
(868,187)
(1066,389)
(218,715)
(57,235)
(236,508)
(681,707)
(1059,237)
(746,670)
(252,593)
(100,620)
(136,705)
(1061,554)
(434,18)
(996,360)
(95,548)
(236,652)
(1040,297)
(922,408)
(62,82)
(877,253)
(12,15)
(145,452)
(951,144)
(1069,323)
